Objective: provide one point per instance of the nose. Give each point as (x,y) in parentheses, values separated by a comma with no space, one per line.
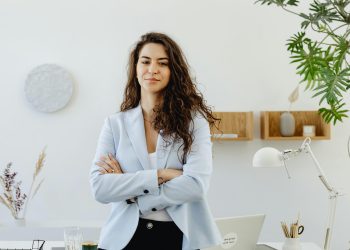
(153,68)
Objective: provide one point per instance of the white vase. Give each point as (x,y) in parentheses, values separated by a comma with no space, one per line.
(20,222)
(291,244)
(287,124)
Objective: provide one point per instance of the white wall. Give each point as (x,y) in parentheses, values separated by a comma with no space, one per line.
(237,52)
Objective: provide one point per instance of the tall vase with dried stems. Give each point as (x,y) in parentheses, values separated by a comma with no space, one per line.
(287,120)
(13,197)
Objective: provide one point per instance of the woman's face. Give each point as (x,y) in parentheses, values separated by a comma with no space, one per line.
(152,68)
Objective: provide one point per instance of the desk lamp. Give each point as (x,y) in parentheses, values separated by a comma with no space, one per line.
(271,157)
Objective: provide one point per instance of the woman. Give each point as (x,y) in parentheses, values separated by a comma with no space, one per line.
(153,161)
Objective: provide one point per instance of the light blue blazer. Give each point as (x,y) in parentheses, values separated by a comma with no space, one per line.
(184,197)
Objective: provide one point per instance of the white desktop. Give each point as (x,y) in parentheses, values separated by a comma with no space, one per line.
(51,231)
(50,244)
(278,246)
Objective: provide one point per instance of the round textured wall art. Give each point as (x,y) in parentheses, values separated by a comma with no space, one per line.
(49,87)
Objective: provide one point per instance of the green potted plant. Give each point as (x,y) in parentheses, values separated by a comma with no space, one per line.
(322,64)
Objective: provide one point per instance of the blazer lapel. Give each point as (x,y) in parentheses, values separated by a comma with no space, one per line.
(163,150)
(134,126)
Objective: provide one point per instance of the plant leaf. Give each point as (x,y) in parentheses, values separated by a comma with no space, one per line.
(297,41)
(334,113)
(282,3)
(322,12)
(333,84)
(340,52)
(311,61)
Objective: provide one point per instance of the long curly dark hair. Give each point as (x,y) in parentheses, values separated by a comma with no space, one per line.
(181,98)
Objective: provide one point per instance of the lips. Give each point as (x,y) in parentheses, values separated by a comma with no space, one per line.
(152,79)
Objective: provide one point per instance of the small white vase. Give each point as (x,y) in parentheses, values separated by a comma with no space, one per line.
(291,244)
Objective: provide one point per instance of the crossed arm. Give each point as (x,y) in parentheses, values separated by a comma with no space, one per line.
(109,165)
(173,186)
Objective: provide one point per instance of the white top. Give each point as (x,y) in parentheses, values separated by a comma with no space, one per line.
(160,215)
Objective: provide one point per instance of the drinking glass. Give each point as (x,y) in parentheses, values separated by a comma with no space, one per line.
(73,238)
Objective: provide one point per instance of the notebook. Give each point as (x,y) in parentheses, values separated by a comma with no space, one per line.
(239,233)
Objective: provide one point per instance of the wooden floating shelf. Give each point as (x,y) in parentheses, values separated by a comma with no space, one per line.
(234,126)
(270,125)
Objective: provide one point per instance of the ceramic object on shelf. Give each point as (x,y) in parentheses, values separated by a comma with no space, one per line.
(287,124)
(309,130)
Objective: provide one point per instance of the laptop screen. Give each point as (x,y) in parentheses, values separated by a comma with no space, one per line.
(239,233)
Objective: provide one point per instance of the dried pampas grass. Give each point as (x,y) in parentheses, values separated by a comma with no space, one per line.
(13,197)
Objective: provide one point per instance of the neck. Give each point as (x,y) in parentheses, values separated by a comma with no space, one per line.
(147,104)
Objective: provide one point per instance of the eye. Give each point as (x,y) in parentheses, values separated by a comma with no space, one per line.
(145,62)
(164,63)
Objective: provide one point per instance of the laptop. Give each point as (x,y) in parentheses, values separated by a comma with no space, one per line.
(239,233)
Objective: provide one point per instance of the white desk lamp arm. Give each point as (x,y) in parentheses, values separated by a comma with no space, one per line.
(307,149)
(333,193)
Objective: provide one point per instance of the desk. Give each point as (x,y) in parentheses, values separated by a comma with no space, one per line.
(28,244)
(48,230)
(278,246)
(49,244)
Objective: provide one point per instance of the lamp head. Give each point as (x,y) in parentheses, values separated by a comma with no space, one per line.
(268,157)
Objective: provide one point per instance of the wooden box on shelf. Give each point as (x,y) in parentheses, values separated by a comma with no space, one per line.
(270,125)
(234,126)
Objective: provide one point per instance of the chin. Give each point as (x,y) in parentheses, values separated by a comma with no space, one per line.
(153,89)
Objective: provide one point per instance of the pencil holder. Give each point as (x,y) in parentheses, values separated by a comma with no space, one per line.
(291,244)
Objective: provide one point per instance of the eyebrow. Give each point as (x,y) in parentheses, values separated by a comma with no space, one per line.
(161,58)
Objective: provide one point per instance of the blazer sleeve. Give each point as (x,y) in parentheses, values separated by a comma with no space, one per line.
(193,184)
(118,187)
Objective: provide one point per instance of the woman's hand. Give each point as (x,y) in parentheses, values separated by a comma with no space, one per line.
(109,165)
(168,174)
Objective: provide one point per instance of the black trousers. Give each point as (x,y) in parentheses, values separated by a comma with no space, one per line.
(155,235)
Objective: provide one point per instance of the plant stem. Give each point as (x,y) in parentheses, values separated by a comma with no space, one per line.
(342,13)
(318,31)
(331,33)
(347,63)
(9,206)
(346,34)
(329,44)
(290,11)
(329,27)
(28,198)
